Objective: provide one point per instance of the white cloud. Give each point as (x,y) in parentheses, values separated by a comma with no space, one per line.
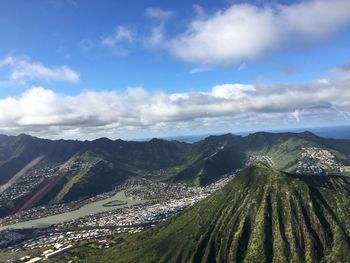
(199,12)
(156,37)
(296,115)
(158,13)
(198,70)
(136,112)
(232,91)
(247,32)
(123,38)
(157,34)
(314,19)
(22,70)
(120,34)
(120,42)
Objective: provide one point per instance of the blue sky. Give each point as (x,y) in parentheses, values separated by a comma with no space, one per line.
(130,69)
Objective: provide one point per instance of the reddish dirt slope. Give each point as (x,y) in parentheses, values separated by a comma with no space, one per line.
(47,186)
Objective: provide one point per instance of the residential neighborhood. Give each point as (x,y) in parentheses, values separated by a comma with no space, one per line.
(317,161)
(160,201)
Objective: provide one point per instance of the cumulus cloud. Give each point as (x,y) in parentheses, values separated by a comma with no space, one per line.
(232,91)
(91,114)
(247,32)
(22,70)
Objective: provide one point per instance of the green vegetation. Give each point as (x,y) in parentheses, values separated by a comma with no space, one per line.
(74,178)
(106,163)
(284,154)
(262,215)
(88,248)
(98,178)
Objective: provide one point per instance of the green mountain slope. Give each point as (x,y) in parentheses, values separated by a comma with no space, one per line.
(262,215)
(199,163)
(211,165)
(17,151)
(217,155)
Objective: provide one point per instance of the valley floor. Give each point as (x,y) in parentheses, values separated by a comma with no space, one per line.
(159,201)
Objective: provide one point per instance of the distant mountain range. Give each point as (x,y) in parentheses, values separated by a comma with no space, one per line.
(334,132)
(262,215)
(65,170)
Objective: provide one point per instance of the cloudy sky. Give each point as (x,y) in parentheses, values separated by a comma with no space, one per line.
(137,69)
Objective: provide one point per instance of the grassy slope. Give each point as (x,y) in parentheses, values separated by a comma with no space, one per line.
(200,163)
(210,159)
(75,178)
(99,178)
(261,216)
(284,154)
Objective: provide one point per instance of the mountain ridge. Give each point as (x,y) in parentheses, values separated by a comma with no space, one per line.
(262,215)
(198,163)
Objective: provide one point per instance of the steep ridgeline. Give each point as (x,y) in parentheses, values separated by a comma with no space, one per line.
(217,155)
(262,215)
(45,171)
(36,171)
